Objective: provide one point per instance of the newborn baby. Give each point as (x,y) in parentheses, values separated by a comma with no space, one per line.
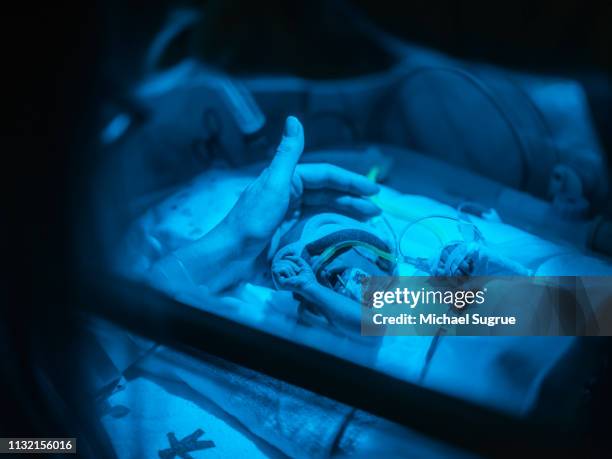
(334,255)
(324,258)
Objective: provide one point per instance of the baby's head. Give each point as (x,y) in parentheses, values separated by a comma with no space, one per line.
(341,252)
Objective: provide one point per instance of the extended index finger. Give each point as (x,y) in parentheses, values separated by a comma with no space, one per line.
(317,176)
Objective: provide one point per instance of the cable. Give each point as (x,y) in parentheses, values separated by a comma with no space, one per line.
(419,220)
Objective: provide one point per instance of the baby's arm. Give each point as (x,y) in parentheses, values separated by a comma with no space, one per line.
(293,273)
(340,310)
(471,259)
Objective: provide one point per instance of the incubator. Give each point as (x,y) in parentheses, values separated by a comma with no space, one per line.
(478,177)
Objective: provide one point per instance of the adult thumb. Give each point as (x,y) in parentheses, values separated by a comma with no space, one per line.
(288,151)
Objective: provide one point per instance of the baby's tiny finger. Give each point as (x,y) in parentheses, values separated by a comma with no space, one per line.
(299,261)
(282,273)
(283,269)
(289,252)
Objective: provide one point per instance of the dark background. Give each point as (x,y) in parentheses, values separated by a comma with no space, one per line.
(301,36)
(61,60)
(314,39)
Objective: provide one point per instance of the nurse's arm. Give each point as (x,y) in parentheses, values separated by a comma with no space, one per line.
(225,254)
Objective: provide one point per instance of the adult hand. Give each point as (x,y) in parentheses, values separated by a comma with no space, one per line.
(284,185)
(225,254)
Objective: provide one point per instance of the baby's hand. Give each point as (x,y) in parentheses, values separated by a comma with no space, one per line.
(291,272)
(456,259)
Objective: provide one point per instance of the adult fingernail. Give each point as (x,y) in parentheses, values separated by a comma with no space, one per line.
(292,126)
